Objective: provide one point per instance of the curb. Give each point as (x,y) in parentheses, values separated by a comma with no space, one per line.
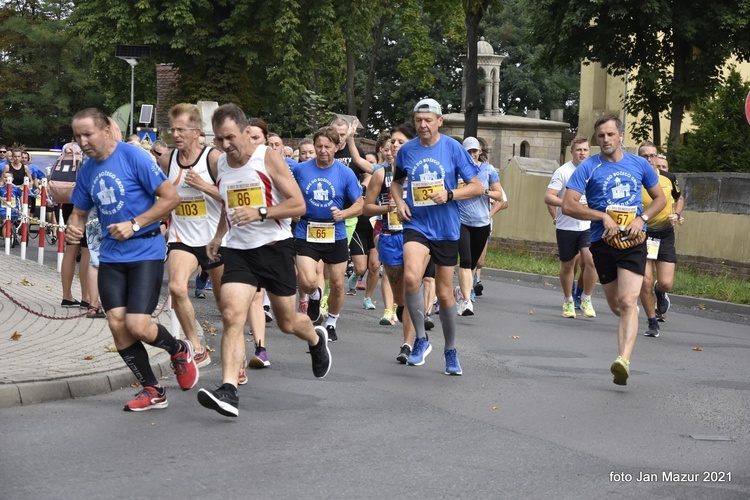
(682,300)
(27,393)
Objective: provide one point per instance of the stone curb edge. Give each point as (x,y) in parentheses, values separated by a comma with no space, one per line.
(28,393)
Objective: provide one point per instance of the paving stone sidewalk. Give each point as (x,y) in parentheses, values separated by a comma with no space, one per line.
(61,358)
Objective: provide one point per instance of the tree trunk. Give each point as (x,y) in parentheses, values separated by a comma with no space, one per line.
(350,102)
(377,39)
(655,126)
(682,51)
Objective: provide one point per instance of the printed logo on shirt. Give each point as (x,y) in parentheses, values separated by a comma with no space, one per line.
(620,187)
(105,188)
(320,192)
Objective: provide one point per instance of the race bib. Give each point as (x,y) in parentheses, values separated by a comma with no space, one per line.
(461,183)
(245,195)
(191,208)
(321,232)
(622,215)
(652,247)
(421,191)
(394,223)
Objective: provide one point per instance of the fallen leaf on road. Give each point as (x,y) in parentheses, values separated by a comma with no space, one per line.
(209,329)
(25,282)
(495,408)
(548,284)
(89,357)
(697,349)
(531,313)
(206,322)
(15,336)
(110,348)
(153,423)
(134,384)
(701,307)
(208,348)
(515,337)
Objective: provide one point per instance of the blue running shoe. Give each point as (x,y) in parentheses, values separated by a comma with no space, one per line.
(209,285)
(420,351)
(201,280)
(577,298)
(451,363)
(473,296)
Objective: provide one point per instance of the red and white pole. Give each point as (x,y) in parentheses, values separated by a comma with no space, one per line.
(8,208)
(60,239)
(42,234)
(25,218)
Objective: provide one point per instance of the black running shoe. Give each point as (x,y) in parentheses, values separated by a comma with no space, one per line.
(653,328)
(428,323)
(478,289)
(313,307)
(320,354)
(223,400)
(404,354)
(331,330)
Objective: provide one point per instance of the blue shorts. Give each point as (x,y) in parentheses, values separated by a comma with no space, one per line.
(391,249)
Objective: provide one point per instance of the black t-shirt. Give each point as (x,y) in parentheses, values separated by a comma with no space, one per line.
(345,157)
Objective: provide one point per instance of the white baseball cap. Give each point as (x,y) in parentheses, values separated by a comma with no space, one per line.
(471,143)
(428,106)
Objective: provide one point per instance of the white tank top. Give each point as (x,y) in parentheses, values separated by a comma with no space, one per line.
(251,186)
(196,218)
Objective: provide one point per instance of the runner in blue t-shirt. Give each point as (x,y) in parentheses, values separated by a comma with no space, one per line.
(612,183)
(327,186)
(432,164)
(123,183)
(475,226)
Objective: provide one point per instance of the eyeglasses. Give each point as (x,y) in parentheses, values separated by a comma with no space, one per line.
(3,151)
(649,157)
(180,130)
(156,152)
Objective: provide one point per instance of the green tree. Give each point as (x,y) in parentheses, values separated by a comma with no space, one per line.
(694,39)
(721,140)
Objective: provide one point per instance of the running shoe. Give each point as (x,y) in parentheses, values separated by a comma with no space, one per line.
(184,367)
(428,323)
(473,295)
(468,308)
(199,294)
(202,358)
(224,400)
(458,294)
(420,351)
(209,285)
(588,308)
(201,280)
(569,310)
(269,316)
(352,285)
(451,363)
(320,354)
(653,328)
(621,370)
(313,307)
(324,304)
(367,304)
(577,302)
(242,379)
(147,399)
(403,354)
(302,306)
(478,288)
(387,319)
(436,306)
(360,284)
(260,358)
(331,333)
(662,302)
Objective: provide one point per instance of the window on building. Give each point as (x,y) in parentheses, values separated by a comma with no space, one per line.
(525,150)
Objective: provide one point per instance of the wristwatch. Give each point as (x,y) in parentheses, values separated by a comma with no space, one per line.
(136,227)
(644,217)
(263,211)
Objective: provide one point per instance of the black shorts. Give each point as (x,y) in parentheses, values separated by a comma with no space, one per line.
(443,252)
(330,253)
(133,285)
(429,271)
(200,254)
(270,267)
(570,242)
(67,209)
(362,242)
(607,259)
(667,250)
(471,245)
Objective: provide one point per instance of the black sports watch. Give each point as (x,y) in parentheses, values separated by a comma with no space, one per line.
(263,211)
(136,227)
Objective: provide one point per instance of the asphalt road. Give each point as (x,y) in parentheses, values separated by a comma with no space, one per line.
(535,415)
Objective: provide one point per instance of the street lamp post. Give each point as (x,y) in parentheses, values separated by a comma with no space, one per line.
(130,54)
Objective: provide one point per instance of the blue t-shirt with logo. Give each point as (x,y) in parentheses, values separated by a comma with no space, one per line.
(324,188)
(429,169)
(608,183)
(122,187)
